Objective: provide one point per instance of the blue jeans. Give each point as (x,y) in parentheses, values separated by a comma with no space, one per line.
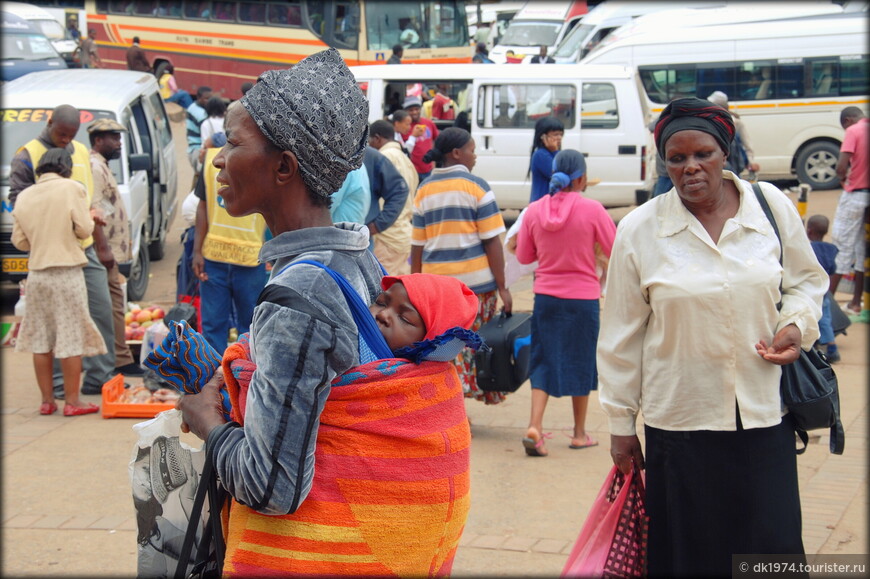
(663,185)
(229,287)
(826,329)
(182,98)
(97,369)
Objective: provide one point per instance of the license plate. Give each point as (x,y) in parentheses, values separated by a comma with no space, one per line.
(14,265)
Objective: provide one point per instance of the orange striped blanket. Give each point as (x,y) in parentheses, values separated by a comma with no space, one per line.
(391,487)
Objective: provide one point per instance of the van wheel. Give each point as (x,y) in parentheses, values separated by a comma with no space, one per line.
(817,165)
(157,249)
(137,283)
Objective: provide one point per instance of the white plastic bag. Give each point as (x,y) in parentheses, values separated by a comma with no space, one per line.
(513,269)
(164,473)
(154,335)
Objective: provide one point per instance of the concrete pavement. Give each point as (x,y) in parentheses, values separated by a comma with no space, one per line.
(68,511)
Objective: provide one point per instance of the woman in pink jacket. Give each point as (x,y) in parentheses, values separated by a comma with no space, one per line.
(561,231)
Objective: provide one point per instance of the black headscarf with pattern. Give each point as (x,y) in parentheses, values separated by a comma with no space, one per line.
(317,111)
(697,115)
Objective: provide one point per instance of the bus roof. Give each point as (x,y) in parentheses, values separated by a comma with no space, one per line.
(717,14)
(832,27)
(417,72)
(96,89)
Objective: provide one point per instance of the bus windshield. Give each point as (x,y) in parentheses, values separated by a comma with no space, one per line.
(531,34)
(27,47)
(415,24)
(571,43)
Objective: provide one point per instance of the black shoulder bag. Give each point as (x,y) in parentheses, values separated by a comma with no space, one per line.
(207,559)
(808,386)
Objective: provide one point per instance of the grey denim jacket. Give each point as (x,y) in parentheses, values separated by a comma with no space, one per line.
(302,337)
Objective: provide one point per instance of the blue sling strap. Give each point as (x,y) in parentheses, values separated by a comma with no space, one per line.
(372,345)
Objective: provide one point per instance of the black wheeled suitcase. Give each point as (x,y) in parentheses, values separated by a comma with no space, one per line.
(505,366)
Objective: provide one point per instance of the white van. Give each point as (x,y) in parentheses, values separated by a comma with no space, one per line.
(538,24)
(146,171)
(48,25)
(604,19)
(494,20)
(600,107)
(25,49)
(787,79)
(717,14)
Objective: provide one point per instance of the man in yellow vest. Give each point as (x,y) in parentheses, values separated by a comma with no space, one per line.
(60,130)
(226,260)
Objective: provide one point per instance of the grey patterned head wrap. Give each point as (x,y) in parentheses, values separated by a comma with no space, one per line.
(317,111)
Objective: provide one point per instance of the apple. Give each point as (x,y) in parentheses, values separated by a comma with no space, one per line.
(128,333)
(157,314)
(146,324)
(134,325)
(128,317)
(143,316)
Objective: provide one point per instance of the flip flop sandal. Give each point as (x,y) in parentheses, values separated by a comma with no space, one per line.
(534,447)
(590,442)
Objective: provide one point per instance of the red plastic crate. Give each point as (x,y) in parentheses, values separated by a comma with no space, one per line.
(111,408)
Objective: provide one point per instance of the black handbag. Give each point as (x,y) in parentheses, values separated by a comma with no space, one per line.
(208,560)
(504,366)
(808,385)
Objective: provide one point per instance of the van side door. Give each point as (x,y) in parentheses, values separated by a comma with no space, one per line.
(138,184)
(503,126)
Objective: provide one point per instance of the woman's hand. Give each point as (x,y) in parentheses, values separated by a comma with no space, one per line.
(785,349)
(625,448)
(203,412)
(506,299)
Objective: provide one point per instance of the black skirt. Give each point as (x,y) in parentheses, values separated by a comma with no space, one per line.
(714,494)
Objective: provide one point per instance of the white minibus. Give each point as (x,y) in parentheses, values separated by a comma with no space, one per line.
(538,24)
(46,23)
(600,107)
(788,80)
(604,19)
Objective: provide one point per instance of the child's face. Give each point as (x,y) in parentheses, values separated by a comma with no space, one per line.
(399,322)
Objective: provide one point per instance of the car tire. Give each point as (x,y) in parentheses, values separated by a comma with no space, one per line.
(157,249)
(137,282)
(817,165)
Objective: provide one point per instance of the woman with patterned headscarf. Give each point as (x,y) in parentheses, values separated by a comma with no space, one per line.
(291,141)
(693,337)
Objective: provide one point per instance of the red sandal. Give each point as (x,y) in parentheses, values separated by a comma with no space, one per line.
(48,408)
(70,410)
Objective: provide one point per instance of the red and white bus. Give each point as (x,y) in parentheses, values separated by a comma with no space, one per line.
(222,44)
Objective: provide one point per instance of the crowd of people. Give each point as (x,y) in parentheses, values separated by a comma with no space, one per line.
(395,210)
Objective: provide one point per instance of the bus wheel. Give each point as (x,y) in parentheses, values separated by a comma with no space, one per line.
(817,165)
(137,283)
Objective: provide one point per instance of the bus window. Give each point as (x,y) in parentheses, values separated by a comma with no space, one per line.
(316,18)
(224,11)
(253,12)
(347,23)
(789,81)
(662,85)
(285,13)
(823,75)
(197,10)
(415,24)
(598,108)
(715,77)
(853,75)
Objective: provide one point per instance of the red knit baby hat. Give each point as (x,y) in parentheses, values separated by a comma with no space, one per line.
(443,302)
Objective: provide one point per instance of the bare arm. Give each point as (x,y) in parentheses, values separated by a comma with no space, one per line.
(495,256)
(199,233)
(843,166)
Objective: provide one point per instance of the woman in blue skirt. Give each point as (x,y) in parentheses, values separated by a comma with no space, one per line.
(561,231)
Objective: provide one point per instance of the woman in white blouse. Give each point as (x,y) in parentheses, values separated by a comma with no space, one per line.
(692,339)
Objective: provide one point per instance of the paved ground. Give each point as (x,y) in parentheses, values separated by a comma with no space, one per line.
(67,508)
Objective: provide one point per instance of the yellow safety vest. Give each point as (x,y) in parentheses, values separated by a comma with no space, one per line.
(81,171)
(235,240)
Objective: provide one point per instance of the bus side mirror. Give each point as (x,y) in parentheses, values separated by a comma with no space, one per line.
(140,162)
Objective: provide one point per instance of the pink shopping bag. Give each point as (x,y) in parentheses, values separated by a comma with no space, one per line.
(612,542)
